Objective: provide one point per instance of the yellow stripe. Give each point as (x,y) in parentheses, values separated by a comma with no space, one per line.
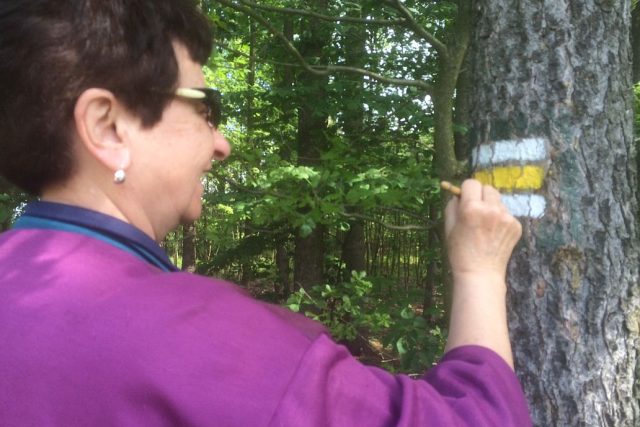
(512,177)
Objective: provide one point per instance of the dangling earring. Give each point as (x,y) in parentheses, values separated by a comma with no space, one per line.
(119,176)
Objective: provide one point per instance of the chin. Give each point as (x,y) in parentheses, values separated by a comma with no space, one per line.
(190,217)
(192,213)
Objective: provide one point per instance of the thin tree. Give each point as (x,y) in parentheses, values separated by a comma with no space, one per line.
(311,143)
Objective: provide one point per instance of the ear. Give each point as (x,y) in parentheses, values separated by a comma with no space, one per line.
(101,129)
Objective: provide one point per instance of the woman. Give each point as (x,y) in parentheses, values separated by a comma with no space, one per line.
(105,117)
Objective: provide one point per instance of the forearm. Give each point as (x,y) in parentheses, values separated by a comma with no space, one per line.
(479,315)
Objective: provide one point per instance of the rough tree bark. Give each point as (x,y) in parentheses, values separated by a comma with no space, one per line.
(555,77)
(635,45)
(635,37)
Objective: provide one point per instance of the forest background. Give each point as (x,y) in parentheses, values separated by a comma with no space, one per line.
(343,117)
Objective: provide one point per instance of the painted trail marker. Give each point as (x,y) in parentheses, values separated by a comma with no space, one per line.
(516,168)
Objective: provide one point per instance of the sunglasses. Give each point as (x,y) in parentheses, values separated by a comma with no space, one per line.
(211,99)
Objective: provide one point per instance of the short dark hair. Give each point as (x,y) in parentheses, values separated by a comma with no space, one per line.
(53,50)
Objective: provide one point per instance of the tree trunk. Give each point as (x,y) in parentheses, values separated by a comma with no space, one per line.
(462,111)
(635,42)
(553,92)
(449,64)
(311,143)
(282,255)
(283,287)
(309,259)
(353,245)
(251,79)
(354,249)
(246,269)
(189,248)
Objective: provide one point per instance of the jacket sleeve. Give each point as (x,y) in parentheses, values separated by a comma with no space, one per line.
(471,386)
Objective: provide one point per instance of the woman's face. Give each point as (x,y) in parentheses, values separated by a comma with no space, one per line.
(169,160)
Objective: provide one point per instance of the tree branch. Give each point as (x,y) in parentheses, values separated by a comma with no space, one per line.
(235,184)
(409,227)
(419,29)
(328,69)
(301,12)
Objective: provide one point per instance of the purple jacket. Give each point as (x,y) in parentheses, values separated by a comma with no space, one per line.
(91,335)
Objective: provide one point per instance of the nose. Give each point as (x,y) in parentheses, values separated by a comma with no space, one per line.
(221,147)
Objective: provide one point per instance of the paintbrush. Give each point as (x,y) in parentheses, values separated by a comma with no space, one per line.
(446,185)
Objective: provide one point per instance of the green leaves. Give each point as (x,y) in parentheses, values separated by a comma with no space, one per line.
(11,201)
(292,174)
(307,227)
(349,308)
(343,152)
(344,308)
(418,344)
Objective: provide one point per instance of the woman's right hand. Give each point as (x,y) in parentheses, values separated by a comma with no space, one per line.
(480,232)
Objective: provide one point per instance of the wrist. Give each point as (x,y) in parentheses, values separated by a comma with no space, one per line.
(482,282)
(479,313)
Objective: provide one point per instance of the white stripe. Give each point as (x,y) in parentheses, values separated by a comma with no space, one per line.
(521,150)
(529,205)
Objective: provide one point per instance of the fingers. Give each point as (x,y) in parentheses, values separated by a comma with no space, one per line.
(480,231)
(471,190)
(491,195)
(475,190)
(479,204)
(450,215)
(475,195)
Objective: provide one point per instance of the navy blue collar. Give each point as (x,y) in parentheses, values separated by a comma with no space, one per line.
(58,216)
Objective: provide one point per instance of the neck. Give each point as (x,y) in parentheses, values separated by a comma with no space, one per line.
(94,198)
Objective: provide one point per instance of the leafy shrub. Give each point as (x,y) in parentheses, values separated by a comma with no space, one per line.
(356,307)
(344,309)
(418,344)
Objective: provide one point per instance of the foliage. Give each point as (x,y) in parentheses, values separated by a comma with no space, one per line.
(418,344)
(266,193)
(358,306)
(374,162)
(11,200)
(343,308)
